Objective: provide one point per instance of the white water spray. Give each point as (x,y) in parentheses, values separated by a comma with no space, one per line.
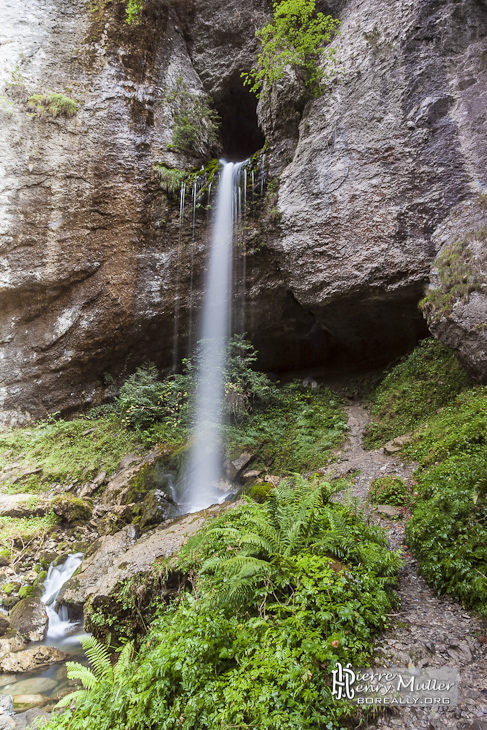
(203,471)
(59,624)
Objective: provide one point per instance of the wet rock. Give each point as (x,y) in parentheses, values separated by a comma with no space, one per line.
(29,618)
(122,555)
(6,722)
(155,509)
(253,474)
(229,470)
(31,660)
(32,719)
(136,476)
(73,510)
(27,702)
(11,643)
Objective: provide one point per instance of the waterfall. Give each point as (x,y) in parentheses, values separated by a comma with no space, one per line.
(203,469)
(59,624)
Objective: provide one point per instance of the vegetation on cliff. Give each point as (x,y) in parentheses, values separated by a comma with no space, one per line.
(296,37)
(281,591)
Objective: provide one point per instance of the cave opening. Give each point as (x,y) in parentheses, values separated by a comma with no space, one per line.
(240,132)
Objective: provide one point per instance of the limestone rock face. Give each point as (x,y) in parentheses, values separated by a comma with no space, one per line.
(456,303)
(93,271)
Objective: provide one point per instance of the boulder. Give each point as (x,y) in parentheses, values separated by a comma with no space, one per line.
(136,476)
(388,511)
(156,508)
(122,555)
(73,510)
(32,719)
(242,463)
(27,702)
(11,644)
(31,660)
(29,618)
(20,505)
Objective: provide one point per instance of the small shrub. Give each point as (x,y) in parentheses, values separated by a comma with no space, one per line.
(296,37)
(53,105)
(134,8)
(389,490)
(140,398)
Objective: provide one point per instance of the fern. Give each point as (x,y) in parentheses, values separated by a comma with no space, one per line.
(103,672)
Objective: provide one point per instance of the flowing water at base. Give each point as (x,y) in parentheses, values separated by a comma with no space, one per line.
(62,634)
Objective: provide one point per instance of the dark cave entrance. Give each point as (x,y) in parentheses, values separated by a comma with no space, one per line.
(240,132)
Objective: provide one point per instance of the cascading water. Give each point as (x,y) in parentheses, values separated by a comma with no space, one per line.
(203,470)
(59,624)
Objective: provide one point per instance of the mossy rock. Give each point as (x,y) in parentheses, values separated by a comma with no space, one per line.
(40,578)
(8,602)
(8,588)
(60,559)
(31,592)
(46,558)
(81,546)
(389,490)
(73,510)
(260,492)
(4,558)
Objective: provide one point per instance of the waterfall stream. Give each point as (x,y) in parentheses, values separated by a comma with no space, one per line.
(59,624)
(203,470)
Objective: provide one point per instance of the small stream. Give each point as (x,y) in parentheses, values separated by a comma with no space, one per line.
(62,634)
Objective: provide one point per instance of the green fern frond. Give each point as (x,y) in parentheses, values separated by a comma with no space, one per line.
(99,658)
(72,697)
(123,662)
(78,671)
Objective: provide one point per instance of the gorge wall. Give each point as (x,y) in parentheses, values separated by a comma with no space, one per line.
(91,260)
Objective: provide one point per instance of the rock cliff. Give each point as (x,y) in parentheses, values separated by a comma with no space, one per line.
(93,270)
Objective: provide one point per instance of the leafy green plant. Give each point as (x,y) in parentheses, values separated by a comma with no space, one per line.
(53,105)
(263,659)
(296,37)
(413,390)
(196,123)
(134,8)
(389,490)
(103,673)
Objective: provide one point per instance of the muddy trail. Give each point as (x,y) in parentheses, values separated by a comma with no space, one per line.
(427,630)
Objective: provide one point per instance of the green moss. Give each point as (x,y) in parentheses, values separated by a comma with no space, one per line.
(456,271)
(414,390)
(8,588)
(260,492)
(72,509)
(170,179)
(389,490)
(26,591)
(40,578)
(53,105)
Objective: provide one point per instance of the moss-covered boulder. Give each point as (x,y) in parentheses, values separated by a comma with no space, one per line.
(29,618)
(4,625)
(73,510)
(156,508)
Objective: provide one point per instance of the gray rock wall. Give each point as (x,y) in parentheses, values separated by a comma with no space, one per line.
(89,243)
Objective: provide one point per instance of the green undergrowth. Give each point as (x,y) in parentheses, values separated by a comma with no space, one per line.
(53,105)
(413,391)
(64,451)
(23,529)
(281,591)
(429,395)
(448,530)
(389,490)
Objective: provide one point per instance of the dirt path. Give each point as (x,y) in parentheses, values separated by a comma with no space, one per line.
(428,630)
